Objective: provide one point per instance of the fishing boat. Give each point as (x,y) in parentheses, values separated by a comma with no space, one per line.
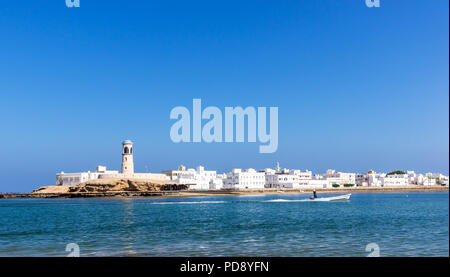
(333,198)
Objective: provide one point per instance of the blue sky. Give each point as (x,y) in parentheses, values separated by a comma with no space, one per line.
(357,88)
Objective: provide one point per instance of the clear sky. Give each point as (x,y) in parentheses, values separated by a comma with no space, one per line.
(357,88)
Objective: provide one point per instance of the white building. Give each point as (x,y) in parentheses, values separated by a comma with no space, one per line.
(284,179)
(70,179)
(418,179)
(199,179)
(287,178)
(394,180)
(339,178)
(411,177)
(174,174)
(304,177)
(444,180)
(388,180)
(375,179)
(436,179)
(317,184)
(428,179)
(362,179)
(244,179)
(217,183)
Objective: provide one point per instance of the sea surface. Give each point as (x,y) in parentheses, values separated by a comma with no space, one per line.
(392,224)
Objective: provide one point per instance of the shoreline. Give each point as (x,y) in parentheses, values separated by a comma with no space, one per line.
(192,193)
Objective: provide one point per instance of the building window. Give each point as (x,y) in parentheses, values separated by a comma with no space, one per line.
(126,150)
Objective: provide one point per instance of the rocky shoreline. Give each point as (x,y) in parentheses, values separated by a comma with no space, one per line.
(84,195)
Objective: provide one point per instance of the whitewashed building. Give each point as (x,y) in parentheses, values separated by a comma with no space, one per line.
(71,179)
(439,179)
(429,181)
(197,179)
(394,180)
(375,179)
(217,183)
(244,179)
(418,179)
(317,184)
(339,178)
(362,179)
(174,174)
(304,177)
(412,177)
(284,179)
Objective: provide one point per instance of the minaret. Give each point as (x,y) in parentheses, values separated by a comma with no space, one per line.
(127,157)
(278,167)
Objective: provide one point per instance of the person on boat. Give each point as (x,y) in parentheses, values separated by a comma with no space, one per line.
(314,194)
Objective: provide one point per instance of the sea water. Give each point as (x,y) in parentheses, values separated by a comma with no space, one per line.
(398,224)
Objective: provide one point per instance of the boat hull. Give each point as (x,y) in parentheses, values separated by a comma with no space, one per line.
(335,198)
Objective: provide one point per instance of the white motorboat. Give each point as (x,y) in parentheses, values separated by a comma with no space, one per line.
(333,198)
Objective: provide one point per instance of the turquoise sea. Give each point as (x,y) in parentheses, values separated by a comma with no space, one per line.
(400,224)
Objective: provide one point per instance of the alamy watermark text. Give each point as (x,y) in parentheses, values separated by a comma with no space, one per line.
(212,130)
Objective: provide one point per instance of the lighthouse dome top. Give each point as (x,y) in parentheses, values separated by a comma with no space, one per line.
(127,141)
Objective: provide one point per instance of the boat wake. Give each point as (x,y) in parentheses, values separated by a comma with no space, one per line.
(287,200)
(189,202)
(279,200)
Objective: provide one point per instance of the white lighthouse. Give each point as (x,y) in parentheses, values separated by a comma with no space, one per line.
(127,157)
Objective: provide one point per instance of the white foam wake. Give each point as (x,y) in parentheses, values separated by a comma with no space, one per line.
(190,202)
(287,200)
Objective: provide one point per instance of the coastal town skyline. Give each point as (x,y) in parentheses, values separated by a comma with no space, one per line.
(145,168)
(238,179)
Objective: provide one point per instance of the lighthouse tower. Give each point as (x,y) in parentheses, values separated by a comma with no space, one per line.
(127,157)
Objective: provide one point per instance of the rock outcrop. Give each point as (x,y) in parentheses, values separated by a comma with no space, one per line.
(114,186)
